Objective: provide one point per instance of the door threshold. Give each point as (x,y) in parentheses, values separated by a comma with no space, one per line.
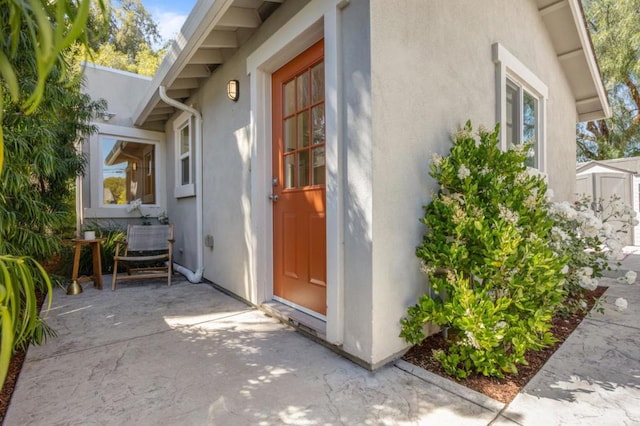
(296,318)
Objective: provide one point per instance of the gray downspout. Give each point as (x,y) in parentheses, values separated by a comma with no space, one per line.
(194,277)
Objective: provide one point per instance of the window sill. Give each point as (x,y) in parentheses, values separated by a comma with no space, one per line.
(120,212)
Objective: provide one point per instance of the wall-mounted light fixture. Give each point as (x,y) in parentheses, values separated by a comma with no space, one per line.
(134,166)
(106,116)
(233,90)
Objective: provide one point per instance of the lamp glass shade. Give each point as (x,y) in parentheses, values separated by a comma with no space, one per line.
(233,90)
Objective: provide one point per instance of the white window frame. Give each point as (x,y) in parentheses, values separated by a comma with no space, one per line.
(99,210)
(508,67)
(189,189)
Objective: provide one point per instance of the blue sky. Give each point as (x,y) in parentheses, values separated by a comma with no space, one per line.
(169,14)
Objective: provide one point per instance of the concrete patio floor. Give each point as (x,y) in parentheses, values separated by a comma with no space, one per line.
(188,354)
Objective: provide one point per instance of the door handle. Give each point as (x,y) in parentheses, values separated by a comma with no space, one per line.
(273,197)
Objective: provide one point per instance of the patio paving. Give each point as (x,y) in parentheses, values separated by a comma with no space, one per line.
(190,355)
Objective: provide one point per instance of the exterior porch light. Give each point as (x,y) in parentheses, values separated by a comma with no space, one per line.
(233,90)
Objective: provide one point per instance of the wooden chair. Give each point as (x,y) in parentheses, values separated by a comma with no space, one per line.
(145,246)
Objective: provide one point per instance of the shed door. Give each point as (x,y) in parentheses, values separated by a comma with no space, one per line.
(299,231)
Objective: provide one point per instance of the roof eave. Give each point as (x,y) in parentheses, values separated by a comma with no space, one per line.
(195,29)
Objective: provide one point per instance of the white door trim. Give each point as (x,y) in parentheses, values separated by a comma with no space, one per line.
(318,19)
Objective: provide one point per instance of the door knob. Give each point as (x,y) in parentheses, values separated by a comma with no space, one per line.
(273,197)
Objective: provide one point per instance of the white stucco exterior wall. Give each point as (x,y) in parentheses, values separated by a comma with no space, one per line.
(432,70)
(120,90)
(358,181)
(226,173)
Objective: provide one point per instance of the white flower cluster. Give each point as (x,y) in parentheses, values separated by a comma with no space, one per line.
(463,172)
(621,304)
(585,278)
(436,159)
(629,277)
(508,215)
(134,205)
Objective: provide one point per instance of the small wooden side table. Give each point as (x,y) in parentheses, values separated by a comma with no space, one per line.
(97,264)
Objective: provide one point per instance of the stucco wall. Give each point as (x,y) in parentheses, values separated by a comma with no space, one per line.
(432,70)
(120,90)
(358,192)
(227,171)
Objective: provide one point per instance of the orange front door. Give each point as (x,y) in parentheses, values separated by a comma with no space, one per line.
(299,237)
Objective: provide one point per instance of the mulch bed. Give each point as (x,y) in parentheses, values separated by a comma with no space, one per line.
(505,389)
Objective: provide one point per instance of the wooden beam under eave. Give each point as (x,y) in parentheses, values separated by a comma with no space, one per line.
(178,94)
(184,83)
(194,71)
(238,17)
(220,40)
(162,110)
(206,57)
(553,7)
(159,117)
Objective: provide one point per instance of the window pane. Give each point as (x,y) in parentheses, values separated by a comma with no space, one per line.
(303,168)
(289,134)
(289,98)
(303,90)
(317,114)
(317,83)
(185,145)
(530,125)
(303,129)
(127,171)
(318,166)
(512,128)
(289,168)
(529,117)
(184,164)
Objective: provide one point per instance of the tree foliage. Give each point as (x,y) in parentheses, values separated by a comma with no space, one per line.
(36,190)
(615,31)
(126,43)
(35,35)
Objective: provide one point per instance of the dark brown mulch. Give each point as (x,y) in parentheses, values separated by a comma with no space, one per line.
(15,366)
(505,389)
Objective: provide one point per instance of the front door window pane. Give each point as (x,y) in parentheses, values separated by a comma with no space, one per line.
(289,171)
(303,90)
(303,168)
(318,166)
(317,83)
(303,129)
(289,98)
(290,134)
(318,124)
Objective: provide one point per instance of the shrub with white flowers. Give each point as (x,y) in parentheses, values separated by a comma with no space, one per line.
(488,257)
(589,240)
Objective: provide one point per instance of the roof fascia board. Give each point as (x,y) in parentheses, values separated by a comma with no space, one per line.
(580,22)
(195,30)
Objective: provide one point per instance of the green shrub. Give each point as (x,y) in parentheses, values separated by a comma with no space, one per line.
(488,259)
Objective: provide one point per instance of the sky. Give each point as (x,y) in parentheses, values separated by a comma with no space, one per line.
(169,14)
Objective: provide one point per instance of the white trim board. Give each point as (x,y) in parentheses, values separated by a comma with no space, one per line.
(318,19)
